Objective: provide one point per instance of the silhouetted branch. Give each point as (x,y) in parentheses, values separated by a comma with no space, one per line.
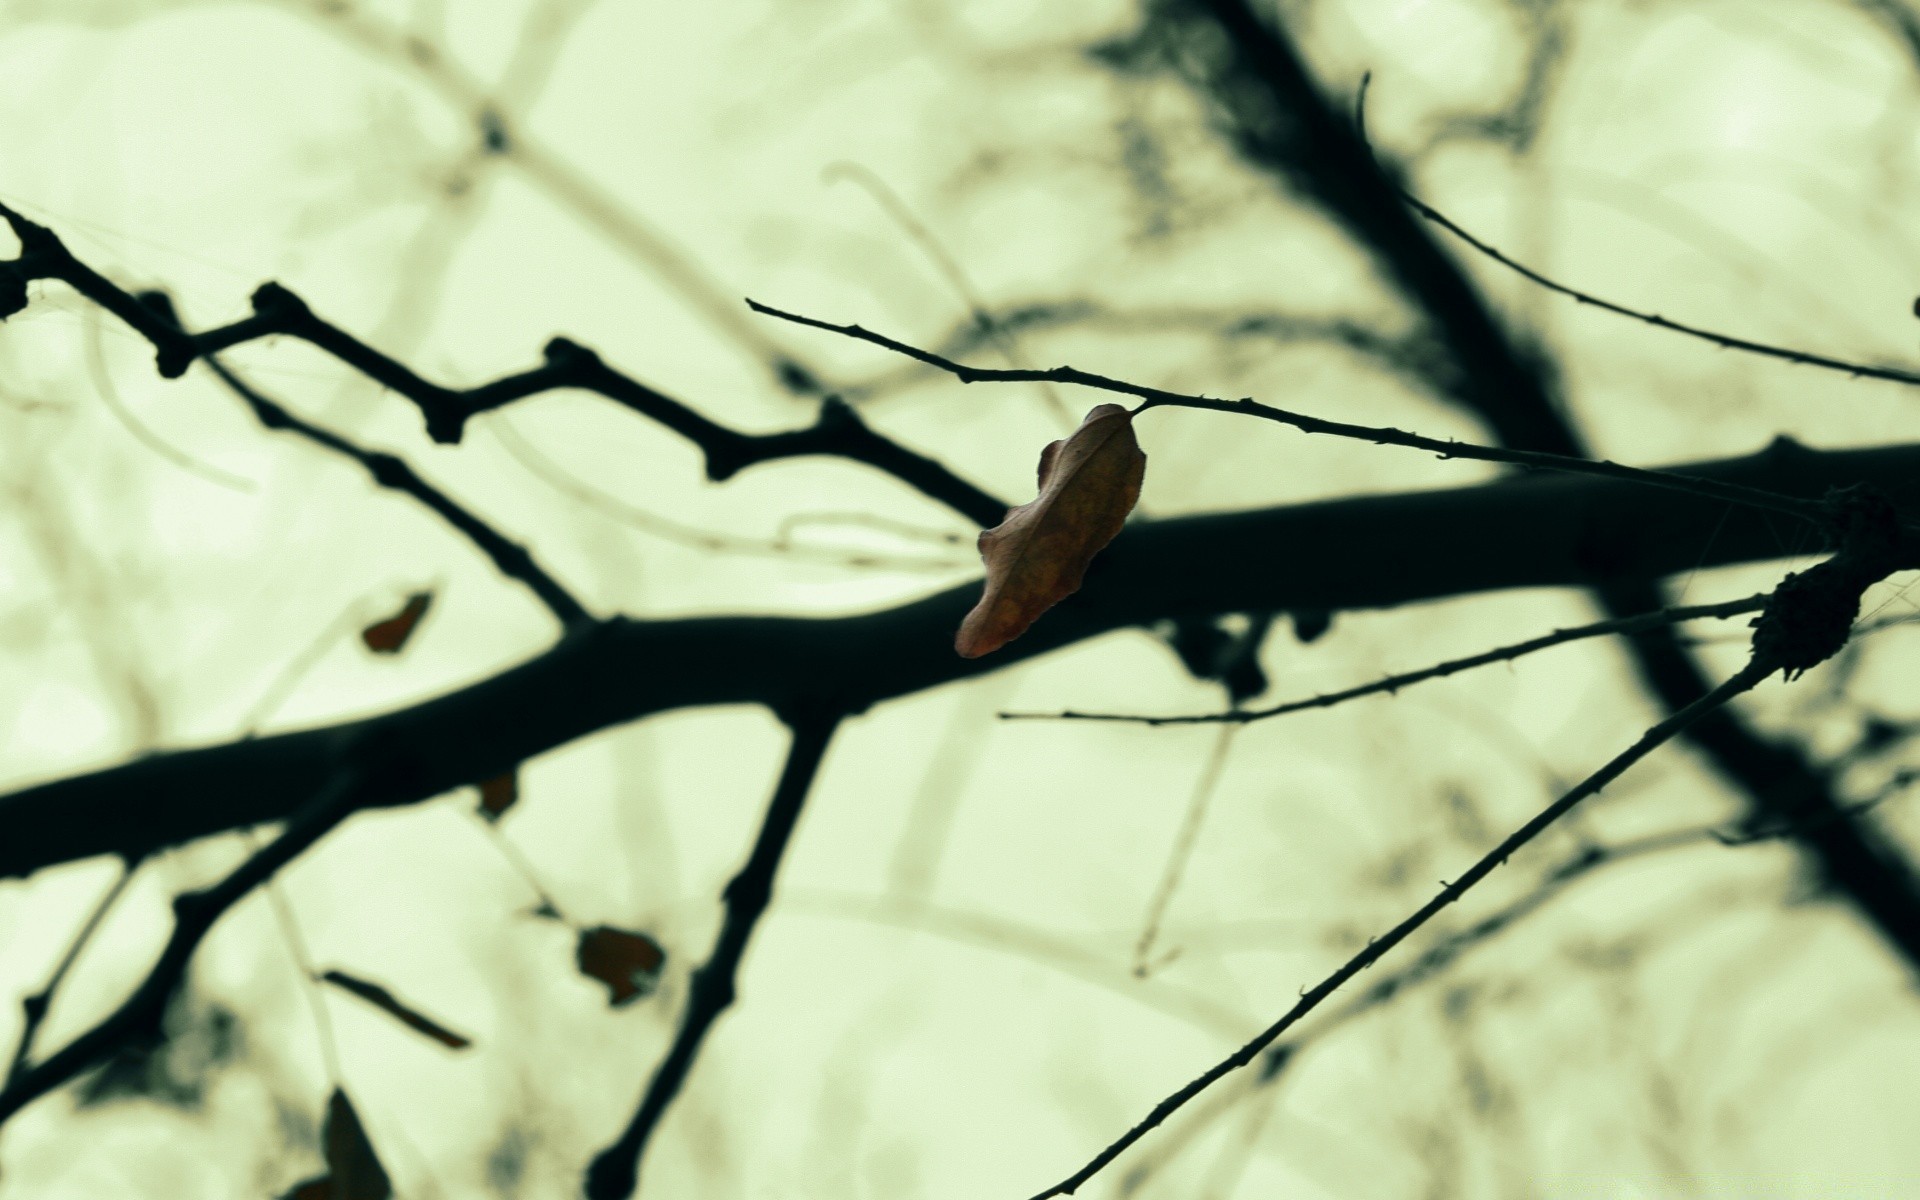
(1543,531)
(195,914)
(1724,341)
(1806,620)
(711,989)
(396,1008)
(1393,683)
(1273,111)
(35,1007)
(837,432)
(390,471)
(779,546)
(1659,734)
(1445,448)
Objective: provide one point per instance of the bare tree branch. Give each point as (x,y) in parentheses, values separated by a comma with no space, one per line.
(1312,998)
(1444,447)
(1274,112)
(195,914)
(390,471)
(1547,531)
(1393,683)
(36,1006)
(837,432)
(710,991)
(1803,358)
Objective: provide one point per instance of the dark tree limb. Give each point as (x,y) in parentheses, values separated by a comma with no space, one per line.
(710,991)
(1542,531)
(838,431)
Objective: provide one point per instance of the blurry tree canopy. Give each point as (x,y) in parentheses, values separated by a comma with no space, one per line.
(490,493)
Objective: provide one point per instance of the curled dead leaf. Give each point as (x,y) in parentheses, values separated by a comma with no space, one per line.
(353,1170)
(396,1008)
(1037,556)
(389,636)
(627,962)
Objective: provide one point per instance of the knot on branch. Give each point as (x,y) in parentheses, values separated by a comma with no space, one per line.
(388,471)
(837,416)
(275,302)
(159,303)
(174,350)
(566,354)
(1810,615)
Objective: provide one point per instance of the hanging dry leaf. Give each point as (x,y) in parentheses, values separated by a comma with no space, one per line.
(1038,555)
(498,794)
(353,1171)
(390,636)
(628,963)
(394,1007)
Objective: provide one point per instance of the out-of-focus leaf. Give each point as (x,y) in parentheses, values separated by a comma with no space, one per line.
(353,1170)
(399,1010)
(389,636)
(627,962)
(1039,554)
(498,794)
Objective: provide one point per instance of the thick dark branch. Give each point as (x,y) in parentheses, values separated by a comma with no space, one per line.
(838,432)
(1380,435)
(1376,949)
(710,992)
(1542,531)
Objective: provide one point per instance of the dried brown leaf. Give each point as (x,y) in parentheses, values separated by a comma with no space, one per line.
(1037,556)
(398,1009)
(353,1170)
(627,962)
(390,636)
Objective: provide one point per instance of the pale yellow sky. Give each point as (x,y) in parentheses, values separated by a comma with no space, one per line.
(940,1002)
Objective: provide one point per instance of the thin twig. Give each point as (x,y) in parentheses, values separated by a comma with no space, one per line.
(195,914)
(780,546)
(1393,683)
(296,944)
(1182,852)
(1724,341)
(710,991)
(96,360)
(36,1006)
(1808,510)
(1747,678)
(390,471)
(948,266)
